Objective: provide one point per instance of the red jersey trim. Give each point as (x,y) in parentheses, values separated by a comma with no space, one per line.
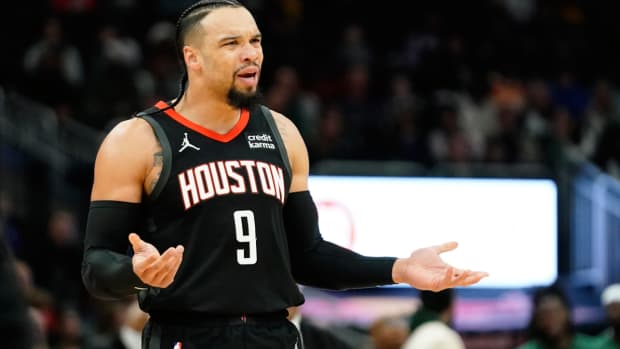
(224,138)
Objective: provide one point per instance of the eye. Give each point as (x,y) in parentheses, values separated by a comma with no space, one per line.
(230,43)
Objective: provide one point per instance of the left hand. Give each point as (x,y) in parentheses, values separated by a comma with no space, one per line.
(425,270)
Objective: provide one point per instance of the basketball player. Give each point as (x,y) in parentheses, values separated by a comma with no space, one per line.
(211,191)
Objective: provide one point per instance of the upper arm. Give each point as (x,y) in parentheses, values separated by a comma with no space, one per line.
(297,152)
(123,162)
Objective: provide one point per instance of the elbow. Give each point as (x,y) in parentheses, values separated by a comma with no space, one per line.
(93,284)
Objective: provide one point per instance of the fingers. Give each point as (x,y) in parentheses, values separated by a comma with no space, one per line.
(136,242)
(141,263)
(160,271)
(167,278)
(158,266)
(447,280)
(152,268)
(445,247)
(454,277)
(467,277)
(470,278)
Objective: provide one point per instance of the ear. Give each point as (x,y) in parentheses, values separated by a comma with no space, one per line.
(192,58)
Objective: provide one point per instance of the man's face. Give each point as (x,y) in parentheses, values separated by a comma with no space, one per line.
(231,52)
(552,317)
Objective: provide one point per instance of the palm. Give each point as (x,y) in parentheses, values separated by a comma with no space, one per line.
(425,270)
(145,254)
(150,266)
(428,271)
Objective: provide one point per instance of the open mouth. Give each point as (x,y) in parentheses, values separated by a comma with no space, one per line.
(247,75)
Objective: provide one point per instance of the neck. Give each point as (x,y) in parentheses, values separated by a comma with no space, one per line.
(211,112)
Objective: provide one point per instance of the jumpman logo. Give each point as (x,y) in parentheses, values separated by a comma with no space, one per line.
(186,144)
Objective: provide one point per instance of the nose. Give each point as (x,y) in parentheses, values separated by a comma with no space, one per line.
(250,52)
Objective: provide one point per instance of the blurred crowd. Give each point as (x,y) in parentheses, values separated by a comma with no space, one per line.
(497,81)
(443,82)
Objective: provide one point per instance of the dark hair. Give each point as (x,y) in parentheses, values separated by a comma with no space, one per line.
(553,291)
(187,21)
(437,301)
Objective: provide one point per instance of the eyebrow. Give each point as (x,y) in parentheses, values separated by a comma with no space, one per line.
(235,37)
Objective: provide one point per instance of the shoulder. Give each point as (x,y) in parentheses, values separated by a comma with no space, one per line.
(123,161)
(604,340)
(433,327)
(586,340)
(130,135)
(128,140)
(130,130)
(288,130)
(294,142)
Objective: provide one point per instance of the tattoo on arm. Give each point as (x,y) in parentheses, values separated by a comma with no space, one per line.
(282,128)
(158,163)
(158,159)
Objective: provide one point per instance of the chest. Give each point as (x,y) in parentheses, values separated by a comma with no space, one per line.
(202,167)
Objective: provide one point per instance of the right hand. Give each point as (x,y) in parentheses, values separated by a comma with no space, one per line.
(152,268)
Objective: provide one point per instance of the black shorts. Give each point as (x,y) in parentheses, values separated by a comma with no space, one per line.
(220,333)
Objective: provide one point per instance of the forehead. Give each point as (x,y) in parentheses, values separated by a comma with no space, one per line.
(229,21)
(550,303)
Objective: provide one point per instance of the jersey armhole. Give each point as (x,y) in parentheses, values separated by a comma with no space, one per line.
(278,138)
(166,159)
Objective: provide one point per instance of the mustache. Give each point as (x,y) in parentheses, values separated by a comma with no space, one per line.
(252,64)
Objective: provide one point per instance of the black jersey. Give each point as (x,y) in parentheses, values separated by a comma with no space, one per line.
(221,197)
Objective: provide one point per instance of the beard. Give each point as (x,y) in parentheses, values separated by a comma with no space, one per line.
(240,99)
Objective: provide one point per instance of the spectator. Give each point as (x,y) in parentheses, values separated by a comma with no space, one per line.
(16,327)
(39,302)
(130,332)
(331,142)
(120,326)
(601,111)
(610,298)
(69,334)
(112,90)
(430,325)
(160,76)
(551,324)
(388,332)
(607,154)
(354,48)
(287,95)
(53,67)
(60,257)
(401,130)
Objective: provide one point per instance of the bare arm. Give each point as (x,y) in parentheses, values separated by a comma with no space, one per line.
(297,152)
(128,164)
(125,161)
